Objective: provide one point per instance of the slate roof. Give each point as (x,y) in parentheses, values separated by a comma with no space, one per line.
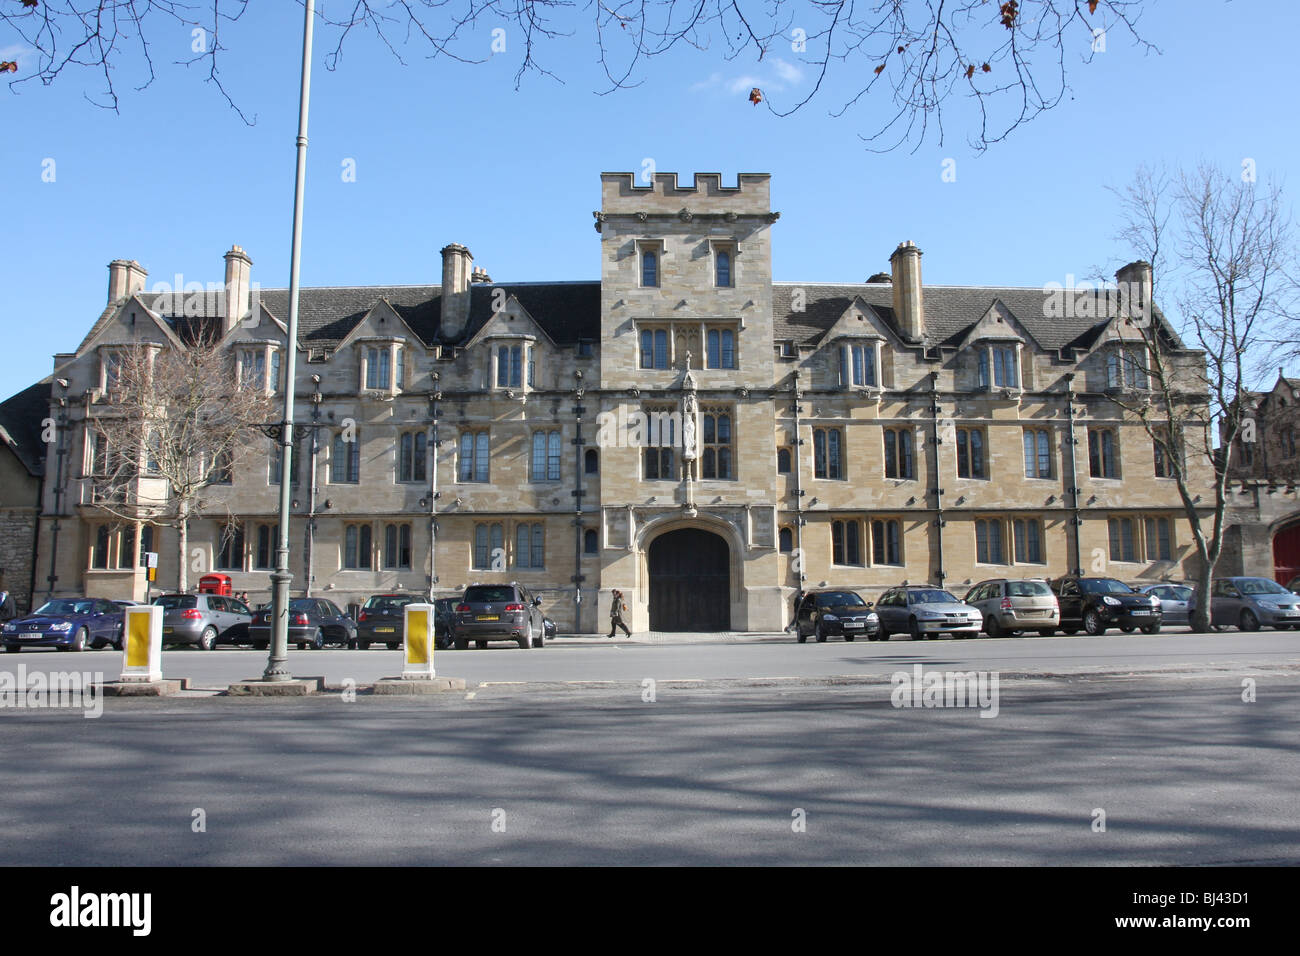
(568,311)
(20,425)
(950,311)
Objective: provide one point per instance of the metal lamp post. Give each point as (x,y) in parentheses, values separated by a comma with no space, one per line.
(280,577)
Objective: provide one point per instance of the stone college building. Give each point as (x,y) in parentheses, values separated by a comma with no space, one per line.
(684,429)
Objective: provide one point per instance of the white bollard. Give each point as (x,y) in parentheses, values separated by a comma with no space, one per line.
(418,641)
(142,643)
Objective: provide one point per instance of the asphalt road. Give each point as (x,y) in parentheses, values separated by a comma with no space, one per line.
(685,657)
(1185,771)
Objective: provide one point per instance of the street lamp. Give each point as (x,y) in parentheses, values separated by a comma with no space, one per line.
(280,577)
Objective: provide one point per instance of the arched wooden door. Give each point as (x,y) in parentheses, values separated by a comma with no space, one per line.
(1286,554)
(690,581)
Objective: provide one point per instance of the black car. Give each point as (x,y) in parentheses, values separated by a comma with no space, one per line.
(835,612)
(444,622)
(1096,603)
(313,623)
(382,619)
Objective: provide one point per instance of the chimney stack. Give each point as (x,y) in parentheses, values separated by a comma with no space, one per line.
(909,309)
(238,269)
(125,278)
(457,267)
(1135,282)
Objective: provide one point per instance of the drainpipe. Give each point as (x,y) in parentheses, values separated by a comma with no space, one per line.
(309,570)
(1073,489)
(939,520)
(36,542)
(58,487)
(435,397)
(796,470)
(578,445)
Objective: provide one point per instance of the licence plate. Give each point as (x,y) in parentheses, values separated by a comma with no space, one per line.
(384,630)
(488,617)
(168,630)
(851,624)
(1141,612)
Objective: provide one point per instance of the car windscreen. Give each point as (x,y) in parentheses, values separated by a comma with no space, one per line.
(488,595)
(1260,586)
(839,599)
(1105,586)
(170,602)
(303,604)
(63,607)
(933,596)
(1028,589)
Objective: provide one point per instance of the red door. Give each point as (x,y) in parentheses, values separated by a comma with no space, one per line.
(1286,554)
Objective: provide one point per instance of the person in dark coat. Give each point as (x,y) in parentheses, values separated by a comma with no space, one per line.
(7,609)
(616,609)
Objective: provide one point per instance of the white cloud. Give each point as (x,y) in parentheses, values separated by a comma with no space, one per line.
(787,74)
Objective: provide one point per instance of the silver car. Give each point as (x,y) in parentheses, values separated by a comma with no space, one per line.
(203,619)
(921,611)
(1176,601)
(1247,603)
(1010,606)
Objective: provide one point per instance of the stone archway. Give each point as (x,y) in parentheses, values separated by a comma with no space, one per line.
(690,581)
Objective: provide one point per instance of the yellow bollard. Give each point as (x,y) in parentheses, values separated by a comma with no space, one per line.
(142,643)
(418,642)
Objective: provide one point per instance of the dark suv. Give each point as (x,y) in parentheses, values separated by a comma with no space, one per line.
(1096,603)
(499,612)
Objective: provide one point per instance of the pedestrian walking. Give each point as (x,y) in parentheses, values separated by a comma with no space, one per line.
(616,608)
(7,610)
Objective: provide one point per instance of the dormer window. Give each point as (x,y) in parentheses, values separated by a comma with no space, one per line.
(253,364)
(111,369)
(859,365)
(382,366)
(999,366)
(514,364)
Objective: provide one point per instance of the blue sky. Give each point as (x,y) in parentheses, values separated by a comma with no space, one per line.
(449,152)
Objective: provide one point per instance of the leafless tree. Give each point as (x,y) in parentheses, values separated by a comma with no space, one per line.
(1222,253)
(175,422)
(906,59)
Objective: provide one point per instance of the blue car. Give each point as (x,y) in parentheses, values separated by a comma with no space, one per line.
(74,624)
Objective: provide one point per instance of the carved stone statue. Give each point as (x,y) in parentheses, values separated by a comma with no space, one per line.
(689,411)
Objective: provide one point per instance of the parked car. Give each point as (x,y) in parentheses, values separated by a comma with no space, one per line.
(835,611)
(1248,603)
(74,624)
(313,623)
(922,611)
(499,612)
(444,622)
(1012,606)
(1176,601)
(1097,603)
(204,620)
(381,619)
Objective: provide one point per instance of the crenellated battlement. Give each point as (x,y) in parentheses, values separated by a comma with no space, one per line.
(624,193)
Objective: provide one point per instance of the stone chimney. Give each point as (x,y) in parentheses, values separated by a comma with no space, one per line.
(457,267)
(125,278)
(1135,282)
(909,309)
(238,269)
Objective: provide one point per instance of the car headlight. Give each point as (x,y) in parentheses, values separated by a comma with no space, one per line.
(929,616)
(873,616)
(61,626)
(829,617)
(1113,602)
(9,628)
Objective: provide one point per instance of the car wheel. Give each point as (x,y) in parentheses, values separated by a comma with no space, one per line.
(318,640)
(393,645)
(79,640)
(821,635)
(914,630)
(352,645)
(527,640)
(1151,629)
(119,644)
(992,628)
(462,644)
(96,645)
(1248,621)
(799,635)
(364,645)
(208,639)
(1093,624)
(540,639)
(884,634)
